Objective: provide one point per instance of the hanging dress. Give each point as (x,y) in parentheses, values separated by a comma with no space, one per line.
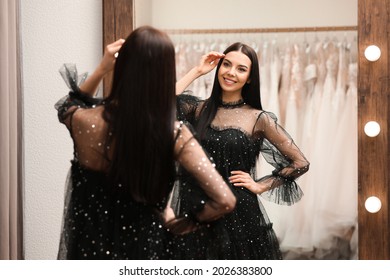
(291,225)
(325,132)
(296,96)
(275,212)
(285,82)
(300,242)
(264,55)
(344,205)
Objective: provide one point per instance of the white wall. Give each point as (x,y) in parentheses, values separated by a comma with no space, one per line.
(53,32)
(143,15)
(180,14)
(225,14)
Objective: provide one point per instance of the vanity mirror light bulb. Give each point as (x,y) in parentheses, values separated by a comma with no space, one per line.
(372,129)
(373,204)
(372,53)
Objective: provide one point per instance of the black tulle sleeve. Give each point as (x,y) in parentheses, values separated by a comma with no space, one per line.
(187,106)
(279,150)
(68,104)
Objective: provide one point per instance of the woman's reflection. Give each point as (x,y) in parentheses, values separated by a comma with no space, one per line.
(234,129)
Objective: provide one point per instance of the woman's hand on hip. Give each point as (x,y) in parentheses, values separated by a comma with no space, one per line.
(242,179)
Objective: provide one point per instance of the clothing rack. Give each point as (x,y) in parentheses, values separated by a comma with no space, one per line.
(261,30)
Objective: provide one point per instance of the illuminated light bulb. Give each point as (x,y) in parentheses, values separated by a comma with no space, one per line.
(372,129)
(373,204)
(372,53)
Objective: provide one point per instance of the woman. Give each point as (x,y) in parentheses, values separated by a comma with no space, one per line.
(234,129)
(125,150)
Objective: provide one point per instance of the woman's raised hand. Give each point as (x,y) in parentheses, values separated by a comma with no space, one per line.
(110,53)
(208,62)
(107,63)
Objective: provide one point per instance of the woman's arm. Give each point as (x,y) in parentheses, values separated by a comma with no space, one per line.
(106,65)
(220,199)
(279,150)
(207,63)
(193,158)
(82,92)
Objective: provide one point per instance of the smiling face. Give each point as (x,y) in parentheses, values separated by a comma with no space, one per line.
(234,73)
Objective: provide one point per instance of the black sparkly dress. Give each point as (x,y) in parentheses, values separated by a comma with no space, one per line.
(235,139)
(103,221)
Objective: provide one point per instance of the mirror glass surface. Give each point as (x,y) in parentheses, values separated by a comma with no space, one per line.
(309,81)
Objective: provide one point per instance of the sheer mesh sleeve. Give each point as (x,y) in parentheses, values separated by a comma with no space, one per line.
(187,106)
(219,198)
(67,105)
(279,150)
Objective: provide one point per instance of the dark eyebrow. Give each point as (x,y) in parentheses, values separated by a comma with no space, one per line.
(241,65)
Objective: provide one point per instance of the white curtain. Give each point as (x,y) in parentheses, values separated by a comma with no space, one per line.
(11,167)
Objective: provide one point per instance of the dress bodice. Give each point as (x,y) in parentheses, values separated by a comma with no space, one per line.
(240,150)
(236,137)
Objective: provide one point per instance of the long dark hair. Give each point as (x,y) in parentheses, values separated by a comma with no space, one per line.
(141,113)
(250,92)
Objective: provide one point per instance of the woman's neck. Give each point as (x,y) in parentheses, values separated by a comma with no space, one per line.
(231,97)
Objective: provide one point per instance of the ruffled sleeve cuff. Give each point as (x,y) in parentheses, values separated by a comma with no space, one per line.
(283,189)
(287,192)
(75,98)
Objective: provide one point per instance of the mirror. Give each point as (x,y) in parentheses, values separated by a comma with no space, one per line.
(309,80)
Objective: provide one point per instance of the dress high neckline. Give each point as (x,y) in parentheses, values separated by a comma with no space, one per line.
(232,104)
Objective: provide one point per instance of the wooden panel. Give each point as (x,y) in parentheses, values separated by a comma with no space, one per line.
(374,153)
(117,23)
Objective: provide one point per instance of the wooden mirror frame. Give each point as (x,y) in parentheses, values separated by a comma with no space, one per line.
(373,104)
(118,22)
